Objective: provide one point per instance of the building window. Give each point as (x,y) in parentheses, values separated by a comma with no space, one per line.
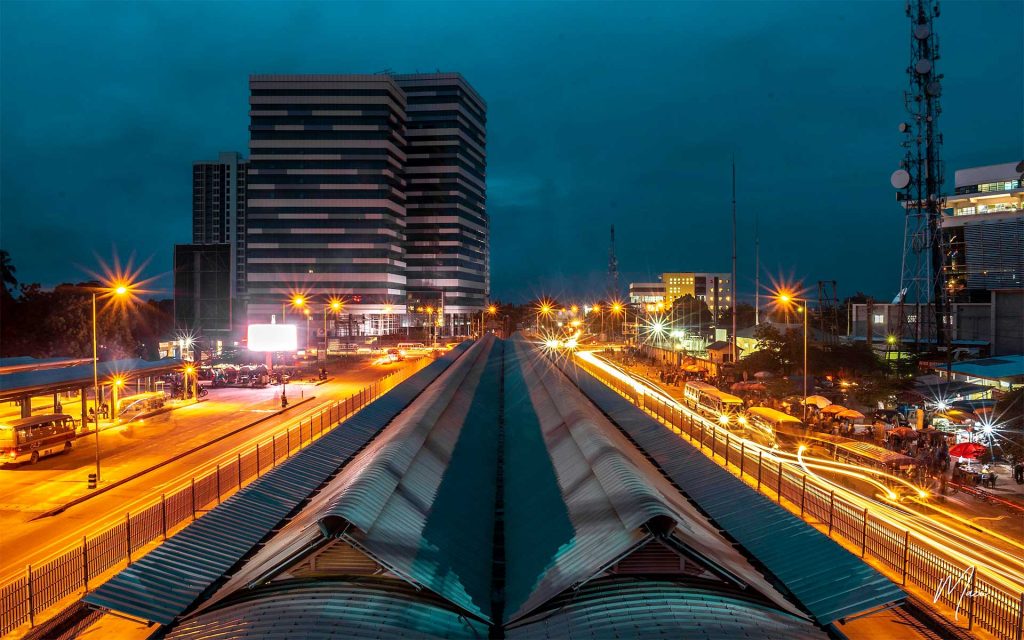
(879,318)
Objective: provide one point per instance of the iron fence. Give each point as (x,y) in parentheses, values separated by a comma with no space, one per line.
(970,597)
(78,569)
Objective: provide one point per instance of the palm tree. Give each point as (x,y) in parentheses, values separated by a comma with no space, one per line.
(7,271)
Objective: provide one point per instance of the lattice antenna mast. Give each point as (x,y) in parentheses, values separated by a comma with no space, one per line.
(613,268)
(919,182)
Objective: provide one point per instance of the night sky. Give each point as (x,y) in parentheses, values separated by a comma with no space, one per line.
(598,114)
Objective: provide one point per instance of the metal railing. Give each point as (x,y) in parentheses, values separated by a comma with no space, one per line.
(87,565)
(896,552)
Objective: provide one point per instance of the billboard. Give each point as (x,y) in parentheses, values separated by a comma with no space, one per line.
(273,337)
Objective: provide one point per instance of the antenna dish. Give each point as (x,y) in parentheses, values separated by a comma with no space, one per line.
(923,66)
(900,179)
(933,89)
(1020,167)
(904,127)
(922,31)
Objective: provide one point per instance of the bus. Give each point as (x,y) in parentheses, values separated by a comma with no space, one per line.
(858,452)
(707,399)
(133,405)
(775,425)
(29,439)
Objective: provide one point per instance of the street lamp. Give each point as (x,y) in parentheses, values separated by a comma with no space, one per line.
(335,305)
(117,290)
(616,310)
(297,301)
(491,309)
(189,373)
(786,298)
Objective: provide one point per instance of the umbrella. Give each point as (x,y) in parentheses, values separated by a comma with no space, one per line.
(819,401)
(834,408)
(852,414)
(967,450)
(903,432)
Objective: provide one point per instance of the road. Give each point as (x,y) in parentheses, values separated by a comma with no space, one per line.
(953,529)
(26,492)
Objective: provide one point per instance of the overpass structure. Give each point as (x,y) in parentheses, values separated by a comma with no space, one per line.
(488,496)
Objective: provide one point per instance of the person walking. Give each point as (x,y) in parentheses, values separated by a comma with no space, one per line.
(1018,472)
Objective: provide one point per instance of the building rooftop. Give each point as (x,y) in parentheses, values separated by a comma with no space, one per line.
(491,493)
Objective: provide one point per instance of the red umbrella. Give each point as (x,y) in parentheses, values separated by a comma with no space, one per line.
(967,450)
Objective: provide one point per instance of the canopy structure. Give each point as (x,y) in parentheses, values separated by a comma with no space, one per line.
(491,494)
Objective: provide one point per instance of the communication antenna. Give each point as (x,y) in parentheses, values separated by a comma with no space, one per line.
(613,269)
(918,183)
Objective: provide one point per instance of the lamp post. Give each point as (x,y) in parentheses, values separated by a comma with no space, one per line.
(491,309)
(118,290)
(334,305)
(785,298)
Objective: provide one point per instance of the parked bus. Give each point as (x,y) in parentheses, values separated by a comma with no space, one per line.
(708,400)
(29,439)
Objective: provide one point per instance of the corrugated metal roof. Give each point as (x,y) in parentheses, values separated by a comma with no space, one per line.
(166,582)
(330,609)
(615,498)
(393,500)
(622,608)
(827,580)
(25,381)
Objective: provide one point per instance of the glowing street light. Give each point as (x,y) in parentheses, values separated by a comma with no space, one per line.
(119,291)
(786,298)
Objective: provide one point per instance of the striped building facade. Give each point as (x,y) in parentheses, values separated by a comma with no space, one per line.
(368,188)
(447,228)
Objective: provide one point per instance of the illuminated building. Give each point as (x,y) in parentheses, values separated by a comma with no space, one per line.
(984,229)
(714,289)
(367,187)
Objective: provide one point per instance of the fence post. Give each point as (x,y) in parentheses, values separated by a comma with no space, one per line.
(906,554)
(163,514)
(780,483)
(257,459)
(831,510)
(239,469)
(864,534)
(193,499)
(714,439)
(273,450)
(970,607)
(288,441)
(31,603)
(128,534)
(1020,617)
(743,456)
(803,494)
(726,449)
(759,461)
(85,563)
(701,436)
(218,483)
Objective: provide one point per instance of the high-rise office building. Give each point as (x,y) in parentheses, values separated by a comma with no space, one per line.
(209,274)
(359,185)
(447,229)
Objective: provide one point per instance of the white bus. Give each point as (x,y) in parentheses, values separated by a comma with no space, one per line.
(28,439)
(710,401)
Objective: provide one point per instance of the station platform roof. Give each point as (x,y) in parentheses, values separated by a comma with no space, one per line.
(40,379)
(488,494)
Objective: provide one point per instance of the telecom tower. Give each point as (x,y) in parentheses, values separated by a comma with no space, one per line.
(613,269)
(918,182)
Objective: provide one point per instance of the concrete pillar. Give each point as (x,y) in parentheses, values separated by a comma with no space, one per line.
(56,403)
(26,406)
(113,401)
(85,413)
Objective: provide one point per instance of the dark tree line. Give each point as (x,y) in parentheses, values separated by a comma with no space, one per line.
(51,323)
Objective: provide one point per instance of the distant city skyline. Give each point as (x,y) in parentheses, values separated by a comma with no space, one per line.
(106,107)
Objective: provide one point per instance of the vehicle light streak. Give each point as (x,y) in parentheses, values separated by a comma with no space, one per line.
(1002,567)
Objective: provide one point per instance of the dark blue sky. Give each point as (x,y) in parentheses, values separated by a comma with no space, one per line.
(599,113)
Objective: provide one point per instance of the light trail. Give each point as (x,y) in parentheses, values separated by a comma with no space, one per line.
(1000,565)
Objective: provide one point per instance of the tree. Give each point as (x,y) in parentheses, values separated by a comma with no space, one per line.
(7,271)
(691,314)
(745,316)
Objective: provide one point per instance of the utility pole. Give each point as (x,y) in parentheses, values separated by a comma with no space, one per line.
(735,286)
(757,271)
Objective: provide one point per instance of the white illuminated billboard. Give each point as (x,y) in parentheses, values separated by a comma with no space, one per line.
(273,337)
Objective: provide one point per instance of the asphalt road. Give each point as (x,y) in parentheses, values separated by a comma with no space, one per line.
(26,492)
